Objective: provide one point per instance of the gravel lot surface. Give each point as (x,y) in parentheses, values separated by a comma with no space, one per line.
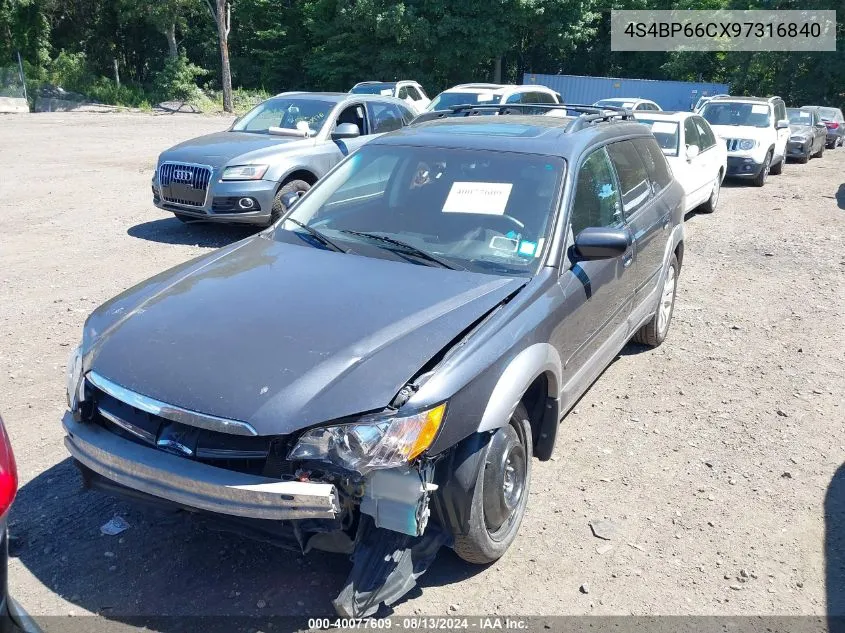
(714,457)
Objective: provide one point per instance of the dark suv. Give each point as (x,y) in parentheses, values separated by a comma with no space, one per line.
(379,369)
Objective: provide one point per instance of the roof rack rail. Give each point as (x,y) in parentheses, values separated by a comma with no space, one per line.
(588,114)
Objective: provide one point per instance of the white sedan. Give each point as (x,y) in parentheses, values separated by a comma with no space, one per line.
(696,154)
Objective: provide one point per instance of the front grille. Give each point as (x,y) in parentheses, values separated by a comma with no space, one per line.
(183,183)
(732,144)
(239,453)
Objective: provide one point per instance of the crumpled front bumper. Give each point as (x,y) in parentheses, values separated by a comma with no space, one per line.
(194,484)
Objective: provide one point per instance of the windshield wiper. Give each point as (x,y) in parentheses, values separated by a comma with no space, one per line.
(410,248)
(320,237)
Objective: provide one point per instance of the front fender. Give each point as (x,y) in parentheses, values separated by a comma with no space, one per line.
(524,369)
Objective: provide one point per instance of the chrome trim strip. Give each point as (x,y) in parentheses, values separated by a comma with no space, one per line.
(225,453)
(127,426)
(169,411)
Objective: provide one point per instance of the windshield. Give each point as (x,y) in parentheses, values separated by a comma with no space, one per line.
(666,133)
(613,103)
(828,114)
(450,99)
(374,89)
(479,210)
(286,113)
(798,116)
(750,114)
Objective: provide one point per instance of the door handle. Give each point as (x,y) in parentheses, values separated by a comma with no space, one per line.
(666,223)
(627,259)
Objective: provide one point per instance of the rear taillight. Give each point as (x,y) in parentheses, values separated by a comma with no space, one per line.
(8,471)
(831,125)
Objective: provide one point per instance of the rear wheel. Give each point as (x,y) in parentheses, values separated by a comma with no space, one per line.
(713,200)
(500,494)
(760,180)
(654,332)
(298,186)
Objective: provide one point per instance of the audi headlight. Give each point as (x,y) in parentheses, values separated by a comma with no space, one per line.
(747,143)
(74,382)
(245,172)
(371,443)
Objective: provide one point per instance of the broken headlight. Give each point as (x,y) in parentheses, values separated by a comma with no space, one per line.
(73,379)
(371,443)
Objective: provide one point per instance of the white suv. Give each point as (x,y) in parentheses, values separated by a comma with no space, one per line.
(409,91)
(755,131)
(493,94)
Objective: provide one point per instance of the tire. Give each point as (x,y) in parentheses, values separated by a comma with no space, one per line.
(654,332)
(760,179)
(299,186)
(713,200)
(803,160)
(775,170)
(504,480)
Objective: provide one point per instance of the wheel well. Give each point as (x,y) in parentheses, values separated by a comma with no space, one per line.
(300,174)
(543,414)
(679,253)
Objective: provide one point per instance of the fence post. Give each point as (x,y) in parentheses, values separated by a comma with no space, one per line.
(23,78)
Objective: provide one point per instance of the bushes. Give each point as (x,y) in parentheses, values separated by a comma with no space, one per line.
(177,80)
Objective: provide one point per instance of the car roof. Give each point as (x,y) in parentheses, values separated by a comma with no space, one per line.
(530,134)
(625,100)
(496,88)
(665,115)
(730,98)
(337,97)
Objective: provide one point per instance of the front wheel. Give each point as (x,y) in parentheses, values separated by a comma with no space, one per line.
(500,494)
(297,186)
(654,332)
(760,180)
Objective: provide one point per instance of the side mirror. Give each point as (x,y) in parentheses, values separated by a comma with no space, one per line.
(346,130)
(781,125)
(693,151)
(821,125)
(601,243)
(289,199)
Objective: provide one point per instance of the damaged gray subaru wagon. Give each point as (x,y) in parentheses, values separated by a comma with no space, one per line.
(375,373)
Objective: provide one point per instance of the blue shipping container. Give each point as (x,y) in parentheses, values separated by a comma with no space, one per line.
(669,95)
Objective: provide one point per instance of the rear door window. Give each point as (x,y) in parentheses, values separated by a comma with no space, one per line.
(386,117)
(655,163)
(633,177)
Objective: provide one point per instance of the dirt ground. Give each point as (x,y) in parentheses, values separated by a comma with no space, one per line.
(714,456)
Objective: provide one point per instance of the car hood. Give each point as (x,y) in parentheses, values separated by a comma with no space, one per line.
(284,336)
(220,148)
(740,131)
(801,129)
